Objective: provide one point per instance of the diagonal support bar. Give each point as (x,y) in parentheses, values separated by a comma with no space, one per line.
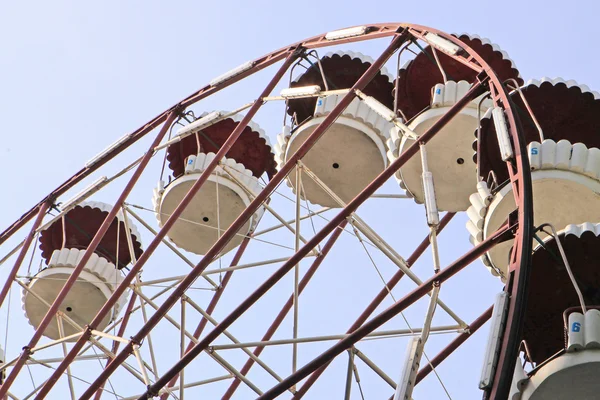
(211,307)
(156,241)
(287,307)
(476,89)
(455,344)
(271,186)
(387,314)
(13,273)
(86,256)
(411,151)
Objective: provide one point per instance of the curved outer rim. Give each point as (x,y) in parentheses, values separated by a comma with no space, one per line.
(519,173)
(484,41)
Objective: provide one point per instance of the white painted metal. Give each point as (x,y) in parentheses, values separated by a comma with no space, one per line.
(433,216)
(442,44)
(569,376)
(302,91)
(345,33)
(95,285)
(409,373)
(566,182)
(85,193)
(232,73)
(197,229)
(506,150)
(583,331)
(452,163)
(493,344)
(348,156)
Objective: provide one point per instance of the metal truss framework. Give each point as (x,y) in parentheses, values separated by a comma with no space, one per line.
(164,385)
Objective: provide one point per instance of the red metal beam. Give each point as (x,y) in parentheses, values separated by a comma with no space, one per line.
(13,273)
(286,308)
(244,216)
(86,256)
(383,293)
(329,227)
(120,333)
(259,64)
(350,340)
(375,31)
(212,305)
(157,239)
(379,30)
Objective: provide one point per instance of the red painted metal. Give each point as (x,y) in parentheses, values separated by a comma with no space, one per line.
(383,293)
(13,272)
(80,224)
(380,319)
(206,91)
(121,332)
(236,225)
(333,223)
(286,308)
(518,282)
(455,344)
(155,242)
(82,174)
(520,177)
(250,150)
(212,305)
(416,78)
(375,31)
(86,256)
(341,72)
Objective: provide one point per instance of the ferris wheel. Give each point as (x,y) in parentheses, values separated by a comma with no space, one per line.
(311,262)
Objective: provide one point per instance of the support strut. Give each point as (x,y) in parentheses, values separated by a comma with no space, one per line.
(156,241)
(349,341)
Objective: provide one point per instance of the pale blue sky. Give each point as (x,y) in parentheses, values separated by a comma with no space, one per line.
(75,76)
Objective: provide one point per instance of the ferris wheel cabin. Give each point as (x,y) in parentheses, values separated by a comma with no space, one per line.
(229,189)
(424,96)
(63,245)
(352,151)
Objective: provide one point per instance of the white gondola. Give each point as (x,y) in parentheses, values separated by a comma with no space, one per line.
(573,375)
(566,183)
(428,86)
(346,158)
(559,336)
(89,293)
(452,167)
(351,152)
(227,192)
